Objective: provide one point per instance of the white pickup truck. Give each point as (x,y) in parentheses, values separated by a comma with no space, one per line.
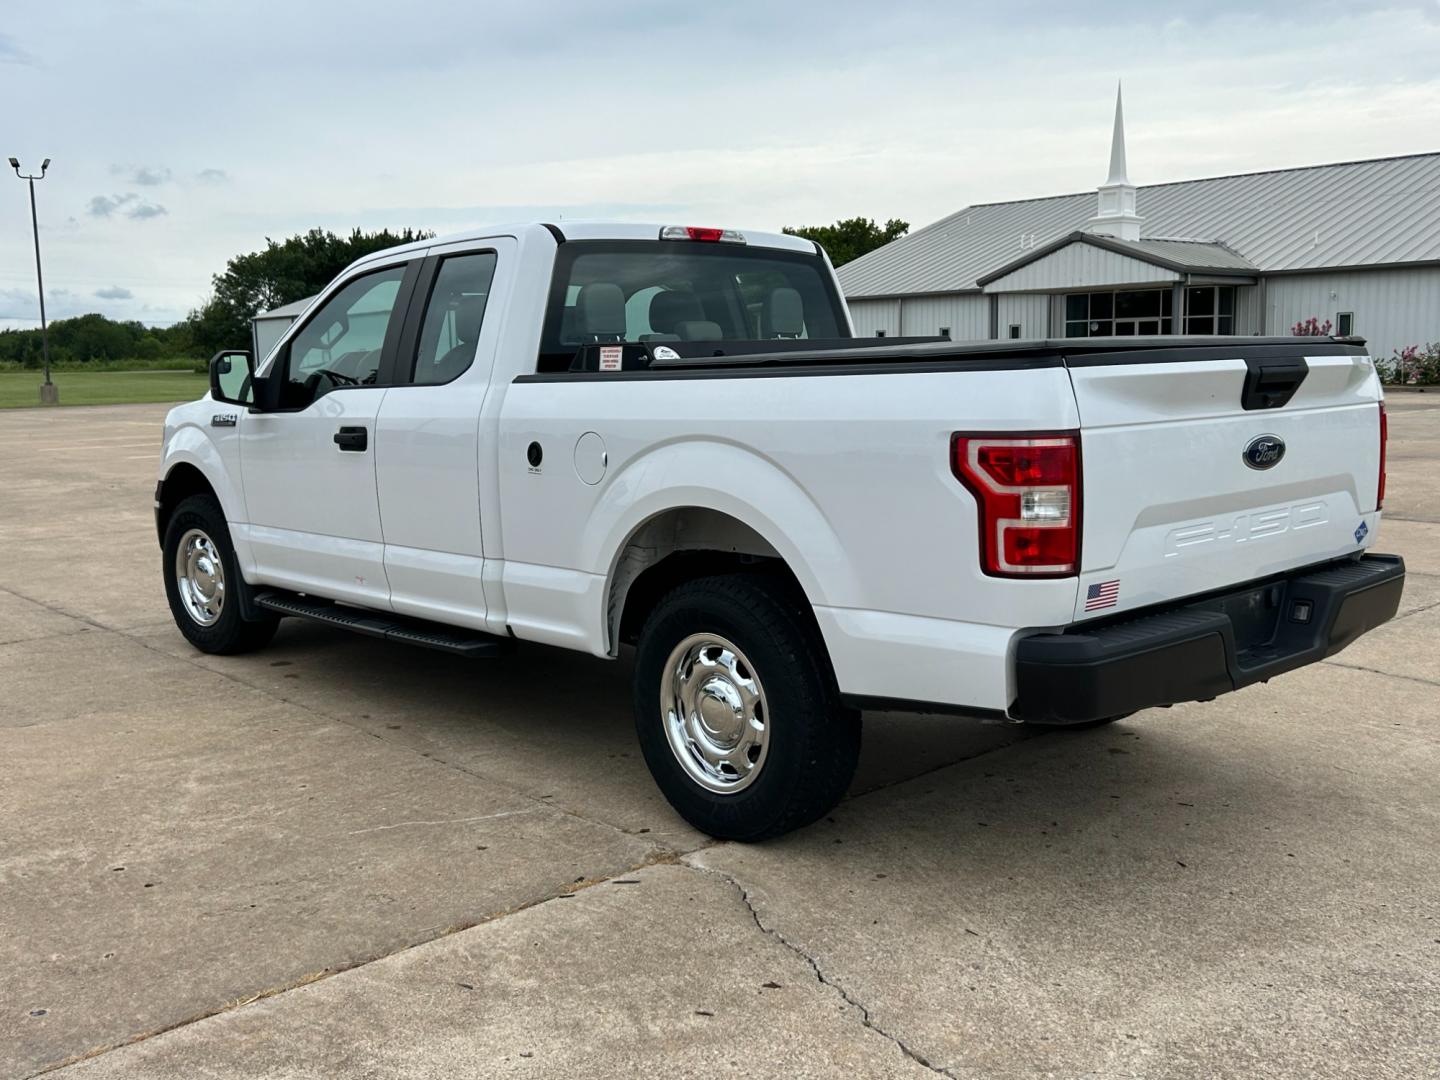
(669,437)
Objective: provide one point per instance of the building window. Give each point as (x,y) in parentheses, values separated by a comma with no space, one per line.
(945,332)
(1014,331)
(1344,323)
(879,333)
(1210,309)
(1125,313)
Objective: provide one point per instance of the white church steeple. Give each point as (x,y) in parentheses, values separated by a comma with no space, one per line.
(1116,213)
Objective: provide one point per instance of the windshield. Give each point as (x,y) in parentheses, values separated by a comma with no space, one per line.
(667,290)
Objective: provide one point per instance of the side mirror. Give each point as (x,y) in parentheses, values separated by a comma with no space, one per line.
(232,377)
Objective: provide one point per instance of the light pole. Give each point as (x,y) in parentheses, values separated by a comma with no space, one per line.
(49,392)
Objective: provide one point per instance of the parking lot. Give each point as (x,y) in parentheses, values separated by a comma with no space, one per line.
(337,857)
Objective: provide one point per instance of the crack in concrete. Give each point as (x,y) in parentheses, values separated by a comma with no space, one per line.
(1377,671)
(821,977)
(433,934)
(660,854)
(316,711)
(43,637)
(1413,611)
(443,821)
(56,609)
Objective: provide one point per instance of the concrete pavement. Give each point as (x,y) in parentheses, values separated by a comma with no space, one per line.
(340,858)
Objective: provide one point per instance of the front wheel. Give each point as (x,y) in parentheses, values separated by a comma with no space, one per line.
(737,710)
(202,580)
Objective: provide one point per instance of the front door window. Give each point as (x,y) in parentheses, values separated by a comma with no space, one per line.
(341,344)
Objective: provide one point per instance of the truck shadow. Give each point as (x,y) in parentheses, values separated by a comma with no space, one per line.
(558,726)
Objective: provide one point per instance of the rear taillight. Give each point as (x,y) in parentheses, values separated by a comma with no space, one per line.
(1028,490)
(1384,438)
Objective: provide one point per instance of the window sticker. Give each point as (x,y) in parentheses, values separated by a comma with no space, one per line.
(611,357)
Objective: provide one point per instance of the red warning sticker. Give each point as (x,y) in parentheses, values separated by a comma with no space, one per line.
(611,357)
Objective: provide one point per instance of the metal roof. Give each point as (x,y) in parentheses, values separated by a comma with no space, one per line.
(1357,213)
(1183,256)
(287,311)
(1178,254)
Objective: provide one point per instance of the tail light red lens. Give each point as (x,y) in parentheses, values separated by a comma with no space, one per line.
(1028,491)
(1384,439)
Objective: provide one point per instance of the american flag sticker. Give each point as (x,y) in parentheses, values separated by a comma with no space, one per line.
(1102,594)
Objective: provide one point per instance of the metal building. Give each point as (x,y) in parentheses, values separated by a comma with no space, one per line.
(268,327)
(1356,243)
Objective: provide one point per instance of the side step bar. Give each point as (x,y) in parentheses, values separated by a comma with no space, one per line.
(472,644)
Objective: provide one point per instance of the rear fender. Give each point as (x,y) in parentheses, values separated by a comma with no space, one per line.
(745,486)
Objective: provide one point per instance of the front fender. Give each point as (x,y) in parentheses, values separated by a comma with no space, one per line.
(187,442)
(733,480)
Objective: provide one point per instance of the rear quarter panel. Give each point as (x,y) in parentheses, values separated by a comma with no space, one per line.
(847,476)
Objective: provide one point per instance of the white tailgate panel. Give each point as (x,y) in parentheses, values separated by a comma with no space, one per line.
(1170,507)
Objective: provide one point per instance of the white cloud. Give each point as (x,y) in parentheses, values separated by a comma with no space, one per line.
(104,206)
(12,53)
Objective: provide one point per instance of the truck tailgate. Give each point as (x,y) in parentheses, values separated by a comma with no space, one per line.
(1173,508)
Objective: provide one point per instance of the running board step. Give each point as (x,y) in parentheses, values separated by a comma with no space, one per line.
(380,624)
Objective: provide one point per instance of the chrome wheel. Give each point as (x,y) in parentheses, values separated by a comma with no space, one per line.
(713,708)
(200,574)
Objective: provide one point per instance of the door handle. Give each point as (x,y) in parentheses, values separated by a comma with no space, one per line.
(352,438)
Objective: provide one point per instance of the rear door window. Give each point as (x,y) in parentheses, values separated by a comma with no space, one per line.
(454,315)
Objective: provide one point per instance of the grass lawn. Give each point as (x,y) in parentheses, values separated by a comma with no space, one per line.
(20,388)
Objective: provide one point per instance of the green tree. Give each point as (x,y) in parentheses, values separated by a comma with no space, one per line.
(93,337)
(849,239)
(280,273)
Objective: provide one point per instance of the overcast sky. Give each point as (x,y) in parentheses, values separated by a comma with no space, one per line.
(186,132)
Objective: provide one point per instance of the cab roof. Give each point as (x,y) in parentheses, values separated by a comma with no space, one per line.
(584,230)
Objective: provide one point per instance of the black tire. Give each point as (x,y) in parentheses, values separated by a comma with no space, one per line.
(813,741)
(229,633)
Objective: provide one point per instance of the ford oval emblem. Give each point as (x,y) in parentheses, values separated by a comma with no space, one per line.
(1264,451)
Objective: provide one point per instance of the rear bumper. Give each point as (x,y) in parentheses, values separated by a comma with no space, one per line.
(1200,649)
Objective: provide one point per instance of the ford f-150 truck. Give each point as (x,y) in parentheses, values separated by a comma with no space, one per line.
(669,437)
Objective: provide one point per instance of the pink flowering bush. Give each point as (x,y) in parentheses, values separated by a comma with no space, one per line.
(1311,327)
(1413,365)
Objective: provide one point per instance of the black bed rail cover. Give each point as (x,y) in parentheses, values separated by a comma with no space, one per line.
(1076,352)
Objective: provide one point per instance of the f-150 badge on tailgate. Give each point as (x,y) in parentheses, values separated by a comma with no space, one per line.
(1264,451)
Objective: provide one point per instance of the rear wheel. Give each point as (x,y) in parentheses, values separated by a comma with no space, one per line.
(737,710)
(202,581)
